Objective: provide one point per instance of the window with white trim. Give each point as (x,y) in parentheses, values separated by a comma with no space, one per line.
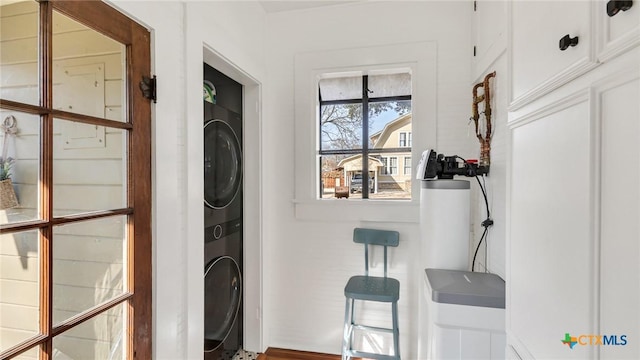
(416,58)
(407,165)
(392,166)
(360,117)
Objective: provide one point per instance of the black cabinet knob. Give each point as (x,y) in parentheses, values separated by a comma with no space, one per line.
(567,41)
(614,6)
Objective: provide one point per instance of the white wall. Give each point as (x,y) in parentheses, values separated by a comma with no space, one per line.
(489,34)
(307,263)
(493,259)
(179,32)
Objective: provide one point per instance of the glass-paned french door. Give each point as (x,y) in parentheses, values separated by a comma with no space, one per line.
(75,183)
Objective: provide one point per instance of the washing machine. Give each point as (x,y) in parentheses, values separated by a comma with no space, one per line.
(223,240)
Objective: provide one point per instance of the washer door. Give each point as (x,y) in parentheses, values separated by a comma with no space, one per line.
(222,164)
(222,294)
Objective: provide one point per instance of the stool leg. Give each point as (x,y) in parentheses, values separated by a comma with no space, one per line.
(346,337)
(396,330)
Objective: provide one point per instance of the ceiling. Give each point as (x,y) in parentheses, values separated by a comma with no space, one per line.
(272,6)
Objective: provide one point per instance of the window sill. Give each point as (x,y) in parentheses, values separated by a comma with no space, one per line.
(402,211)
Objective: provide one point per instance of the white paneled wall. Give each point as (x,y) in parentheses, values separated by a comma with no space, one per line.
(307,263)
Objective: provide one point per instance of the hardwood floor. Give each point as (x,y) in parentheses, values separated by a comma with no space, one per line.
(284,354)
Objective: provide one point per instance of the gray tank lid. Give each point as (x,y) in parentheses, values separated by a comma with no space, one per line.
(446,184)
(466,288)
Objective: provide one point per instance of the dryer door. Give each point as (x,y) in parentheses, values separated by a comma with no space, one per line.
(222,164)
(222,294)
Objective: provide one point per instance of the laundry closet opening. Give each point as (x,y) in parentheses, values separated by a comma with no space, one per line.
(223,212)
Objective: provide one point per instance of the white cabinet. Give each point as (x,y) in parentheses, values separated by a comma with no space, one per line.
(573,227)
(618,33)
(574,217)
(551,237)
(617,101)
(538,64)
(489,34)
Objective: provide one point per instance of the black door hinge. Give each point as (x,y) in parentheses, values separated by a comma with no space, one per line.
(475,6)
(474,51)
(148,87)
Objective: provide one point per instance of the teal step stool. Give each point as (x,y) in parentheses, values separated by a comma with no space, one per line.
(371,288)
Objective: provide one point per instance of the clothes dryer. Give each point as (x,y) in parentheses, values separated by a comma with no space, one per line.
(222,166)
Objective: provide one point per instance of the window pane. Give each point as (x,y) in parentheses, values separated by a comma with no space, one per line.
(407,165)
(89,78)
(31,354)
(391,131)
(389,85)
(19,287)
(88,265)
(19,172)
(102,337)
(332,179)
(387,120)
(19,51)
(341,127)
(90,175)
(343,88)
(393,165)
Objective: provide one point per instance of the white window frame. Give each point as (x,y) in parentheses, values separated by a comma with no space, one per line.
(420,60)
(400,139)
(404,165)
(407,139)
(387,165)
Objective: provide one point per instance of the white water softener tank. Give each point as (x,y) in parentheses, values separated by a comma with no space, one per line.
(444,224)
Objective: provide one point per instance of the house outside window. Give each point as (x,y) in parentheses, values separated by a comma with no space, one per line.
(361,117)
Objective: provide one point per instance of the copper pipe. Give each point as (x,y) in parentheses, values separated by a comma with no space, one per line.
(485,141)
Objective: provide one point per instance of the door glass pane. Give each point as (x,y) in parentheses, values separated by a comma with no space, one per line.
(88,265)
(390,143)
(19,51)
(31,354)
(89,168)
(98,338)
(88,71)
(19,166)
(19,288)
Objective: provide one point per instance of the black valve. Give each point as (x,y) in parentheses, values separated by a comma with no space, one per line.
(614,6)
(567,41)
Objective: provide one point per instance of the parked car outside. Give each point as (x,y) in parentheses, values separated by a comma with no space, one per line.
(356,183)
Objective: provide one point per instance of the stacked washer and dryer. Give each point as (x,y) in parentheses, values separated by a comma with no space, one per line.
(223,240)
